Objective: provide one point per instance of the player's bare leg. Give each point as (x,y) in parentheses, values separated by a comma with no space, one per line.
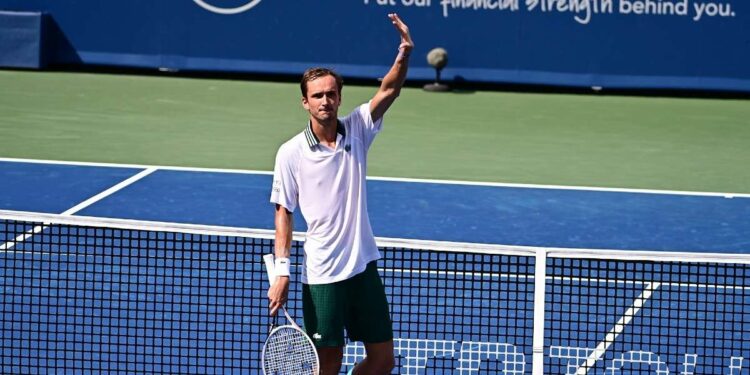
(330,360)
(379,360)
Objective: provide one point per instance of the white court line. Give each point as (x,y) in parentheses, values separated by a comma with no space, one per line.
(23,237)
(398,179)
(491,275)
(110,191)
(88,202)
(484,275)
(643,282)
(617,329)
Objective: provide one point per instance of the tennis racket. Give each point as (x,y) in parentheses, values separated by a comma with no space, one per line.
(288,350)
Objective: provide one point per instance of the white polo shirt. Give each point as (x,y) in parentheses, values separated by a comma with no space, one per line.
(329,187)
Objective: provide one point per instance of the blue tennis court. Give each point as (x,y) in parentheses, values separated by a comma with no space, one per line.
(671,293)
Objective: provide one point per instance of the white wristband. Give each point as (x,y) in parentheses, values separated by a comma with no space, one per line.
(281,266)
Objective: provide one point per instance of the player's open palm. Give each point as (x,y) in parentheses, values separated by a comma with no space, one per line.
(406,43)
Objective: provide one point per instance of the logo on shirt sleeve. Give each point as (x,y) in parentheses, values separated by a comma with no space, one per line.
(276,186)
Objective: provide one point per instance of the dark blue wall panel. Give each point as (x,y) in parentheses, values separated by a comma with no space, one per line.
(682,44)
(22,40)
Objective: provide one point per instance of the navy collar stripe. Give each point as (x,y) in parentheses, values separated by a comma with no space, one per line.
(312,139)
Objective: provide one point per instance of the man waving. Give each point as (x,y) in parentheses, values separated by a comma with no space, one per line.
(322,170)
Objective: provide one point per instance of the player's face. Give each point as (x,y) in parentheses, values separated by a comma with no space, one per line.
(322,99)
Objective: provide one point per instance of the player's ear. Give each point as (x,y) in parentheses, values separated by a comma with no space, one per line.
(305,104)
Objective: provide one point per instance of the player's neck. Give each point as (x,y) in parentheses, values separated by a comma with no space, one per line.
(325,130)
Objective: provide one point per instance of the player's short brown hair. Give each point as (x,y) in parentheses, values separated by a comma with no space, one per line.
(315,73)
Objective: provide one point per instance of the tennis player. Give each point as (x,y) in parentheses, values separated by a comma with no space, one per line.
(322,170)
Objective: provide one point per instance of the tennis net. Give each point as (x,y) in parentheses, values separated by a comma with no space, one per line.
(85,295)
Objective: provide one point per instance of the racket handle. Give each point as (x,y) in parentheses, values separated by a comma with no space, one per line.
(268,259)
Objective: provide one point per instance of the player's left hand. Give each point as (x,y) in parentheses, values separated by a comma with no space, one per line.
(406,43)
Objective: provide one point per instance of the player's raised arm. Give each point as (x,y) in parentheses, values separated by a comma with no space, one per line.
(392,82)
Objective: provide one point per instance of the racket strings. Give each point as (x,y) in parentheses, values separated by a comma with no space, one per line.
(288,351)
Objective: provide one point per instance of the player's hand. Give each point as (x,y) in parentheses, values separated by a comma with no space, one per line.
(406,43)
(277,294)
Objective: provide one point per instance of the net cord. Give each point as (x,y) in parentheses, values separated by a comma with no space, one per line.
(444,246)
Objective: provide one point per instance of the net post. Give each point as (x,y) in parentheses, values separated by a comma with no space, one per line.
(540,277)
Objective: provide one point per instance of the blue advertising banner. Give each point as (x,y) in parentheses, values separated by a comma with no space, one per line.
(676,44)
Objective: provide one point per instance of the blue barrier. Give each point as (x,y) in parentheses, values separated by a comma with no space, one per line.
(676,44)
(22,40)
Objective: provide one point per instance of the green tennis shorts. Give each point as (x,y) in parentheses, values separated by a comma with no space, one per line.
(358,305)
